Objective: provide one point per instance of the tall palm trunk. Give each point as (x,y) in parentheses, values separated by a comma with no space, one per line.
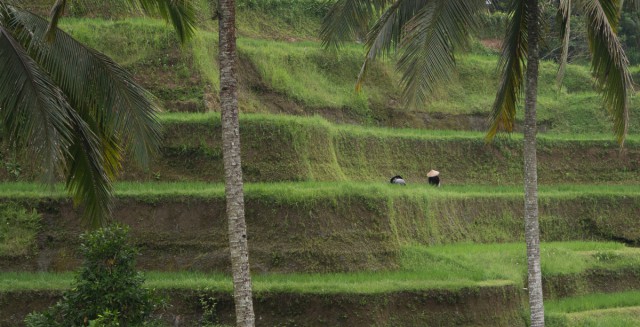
(232,166)
(532,233)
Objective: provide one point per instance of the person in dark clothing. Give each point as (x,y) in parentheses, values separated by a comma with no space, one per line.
(398,180)
(434,177)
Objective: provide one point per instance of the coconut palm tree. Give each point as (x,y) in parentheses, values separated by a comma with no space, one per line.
(72,109)
(428,32)
(77,112)
(242,287)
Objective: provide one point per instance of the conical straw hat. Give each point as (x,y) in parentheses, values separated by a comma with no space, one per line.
(433,173)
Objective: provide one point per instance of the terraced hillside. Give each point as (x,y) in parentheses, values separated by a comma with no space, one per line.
(332,243)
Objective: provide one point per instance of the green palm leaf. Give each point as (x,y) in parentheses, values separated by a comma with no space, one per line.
(512,67)
(609,63)
(98,111)
(98,89)
(181,14)
(348,17)
(386,34)
(87,180)
(431,37)
(564,17)
(34,111)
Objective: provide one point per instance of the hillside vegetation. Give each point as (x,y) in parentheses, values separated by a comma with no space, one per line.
(302,78)
(332,243)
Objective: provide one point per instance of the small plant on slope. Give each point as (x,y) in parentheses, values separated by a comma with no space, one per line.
(107,291)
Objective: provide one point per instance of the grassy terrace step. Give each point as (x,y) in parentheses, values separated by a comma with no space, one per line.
(615,309)
(317,227)
(301,78)
(285,148)
(449,267)
(464,284)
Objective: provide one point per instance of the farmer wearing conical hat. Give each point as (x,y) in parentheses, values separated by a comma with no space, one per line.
(434,179)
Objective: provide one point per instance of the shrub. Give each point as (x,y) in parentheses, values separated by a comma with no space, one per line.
(107,290)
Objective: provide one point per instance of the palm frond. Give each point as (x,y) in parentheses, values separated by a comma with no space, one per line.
(97,88)
(56,13)
(432,36)
(348,17)
(34,111)
(609,63)
(181,14)
(384,37)
(564,17)
(512,67)
(107,112)
(87,180)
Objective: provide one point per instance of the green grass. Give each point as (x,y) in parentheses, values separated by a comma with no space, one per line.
(415,214)
(594,302)
(619,317)
(313,149)
(18,229)
(205,56)
(297,190)
(128,41)
(422,268)
(323,81)
(306,73)
(602,310)
(385,132)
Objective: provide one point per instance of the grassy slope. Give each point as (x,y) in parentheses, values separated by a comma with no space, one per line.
(303,72)
(616,309)
(374,217)
(448,267)
(288,148)
(305,79)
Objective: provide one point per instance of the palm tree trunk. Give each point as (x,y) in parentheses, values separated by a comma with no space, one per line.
(532,233)
(232,166)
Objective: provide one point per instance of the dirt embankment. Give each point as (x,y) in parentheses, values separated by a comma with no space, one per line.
(191,234)
(312,150)
(483,306)
(329,233)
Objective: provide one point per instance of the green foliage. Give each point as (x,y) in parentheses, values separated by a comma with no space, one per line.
(289,8)
(493,27)
(107,290)
(18,229)
(208,304)
(323,82)
(421,268)
(602,310)
(595,302)
(100,8)
(128,41)
(629,32)
(281,19)
(305,73)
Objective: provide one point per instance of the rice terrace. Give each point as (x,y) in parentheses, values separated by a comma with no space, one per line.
(331,241)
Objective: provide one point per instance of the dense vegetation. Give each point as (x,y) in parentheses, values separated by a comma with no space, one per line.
(323,223)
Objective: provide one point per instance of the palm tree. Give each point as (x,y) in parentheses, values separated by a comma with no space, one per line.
(429,31)
(72,109)
(242,288)
(77,112)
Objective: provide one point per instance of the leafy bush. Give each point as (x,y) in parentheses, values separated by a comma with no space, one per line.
(107,291)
